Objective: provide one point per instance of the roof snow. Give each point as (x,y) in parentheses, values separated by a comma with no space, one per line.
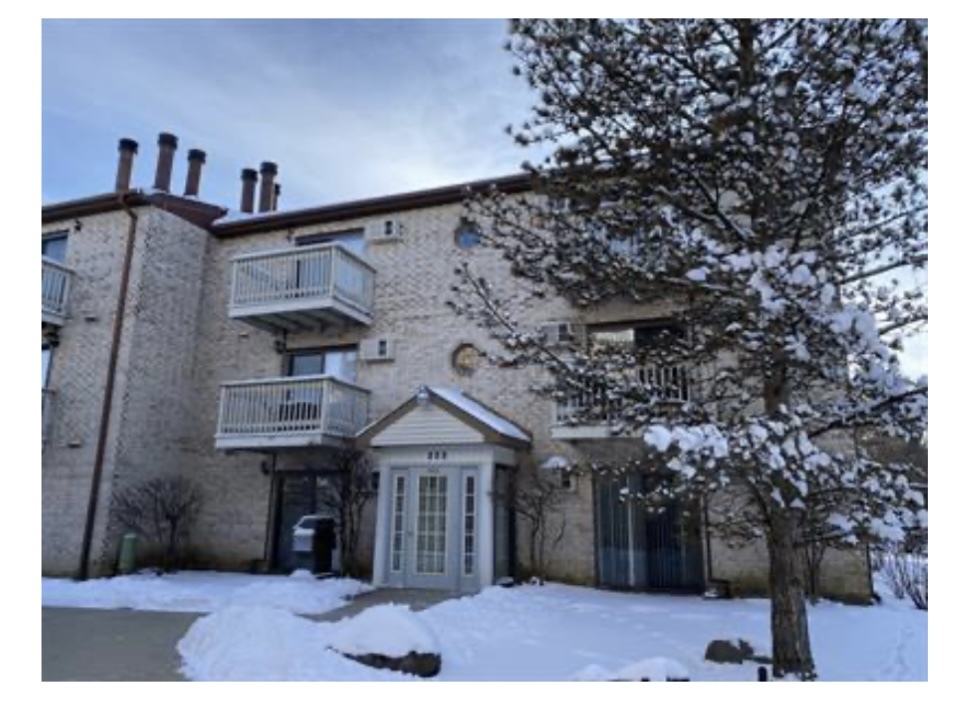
(480,412)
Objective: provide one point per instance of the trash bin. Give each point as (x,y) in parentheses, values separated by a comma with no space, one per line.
(127,553)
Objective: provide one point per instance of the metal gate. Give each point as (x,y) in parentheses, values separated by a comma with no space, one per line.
(639,548)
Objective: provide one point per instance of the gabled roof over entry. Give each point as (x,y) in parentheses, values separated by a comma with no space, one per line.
(443,416)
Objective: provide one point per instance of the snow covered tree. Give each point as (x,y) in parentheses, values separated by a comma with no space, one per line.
(767,180)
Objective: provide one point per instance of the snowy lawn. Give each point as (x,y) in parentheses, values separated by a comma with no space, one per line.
(551,632)
(558,632)
(203,591)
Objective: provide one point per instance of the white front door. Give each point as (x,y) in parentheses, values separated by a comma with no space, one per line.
(425,542)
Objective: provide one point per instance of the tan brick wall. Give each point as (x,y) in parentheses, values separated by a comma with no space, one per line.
(152,406)
(179,346)
(412,285)
(844,571)
(78,378)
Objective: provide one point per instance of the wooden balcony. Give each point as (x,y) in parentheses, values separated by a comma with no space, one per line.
(302,289)
(591,414)
(55,291)
(290,412)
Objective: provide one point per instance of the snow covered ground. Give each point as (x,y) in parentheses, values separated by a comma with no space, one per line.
(203,591)
(538,633)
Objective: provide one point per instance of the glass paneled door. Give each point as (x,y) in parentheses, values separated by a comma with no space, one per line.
(426,544)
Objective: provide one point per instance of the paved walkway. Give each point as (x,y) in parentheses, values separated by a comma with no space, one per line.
(124,644)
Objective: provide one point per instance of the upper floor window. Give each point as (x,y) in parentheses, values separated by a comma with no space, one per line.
(467,234)
(353,240)
(47,358)
(54,247)
(634,336)
(340,362)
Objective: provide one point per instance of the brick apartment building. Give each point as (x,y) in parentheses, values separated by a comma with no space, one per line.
(243,350)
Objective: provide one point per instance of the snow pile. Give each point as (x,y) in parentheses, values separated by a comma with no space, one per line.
(196,591)
(553,633)
(385,629)
(260,643)
(654,669)
(559,633)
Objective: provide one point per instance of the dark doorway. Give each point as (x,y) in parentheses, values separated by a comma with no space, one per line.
(325,544)
(646,547)
(298,499)
(305,523)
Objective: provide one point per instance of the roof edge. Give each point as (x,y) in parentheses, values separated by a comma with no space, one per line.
(491,435)
(371,206)
(195,211)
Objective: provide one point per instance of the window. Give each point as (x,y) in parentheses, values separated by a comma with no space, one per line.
(566,480)
(47,359)
(657,366)
(636,336)
(338,362)
(470,522)
(397,523)
(465,359)
(54,247)
(353,240)
(467,235)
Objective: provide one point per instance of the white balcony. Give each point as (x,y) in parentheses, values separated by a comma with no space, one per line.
(591,414)
(290,412)
(56,291)
(301,289)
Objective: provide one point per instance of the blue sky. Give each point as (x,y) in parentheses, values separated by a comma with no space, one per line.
(346,108)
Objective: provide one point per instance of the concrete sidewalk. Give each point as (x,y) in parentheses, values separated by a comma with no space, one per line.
(125,644)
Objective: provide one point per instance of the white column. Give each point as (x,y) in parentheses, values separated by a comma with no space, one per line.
(485,524)
(382,526)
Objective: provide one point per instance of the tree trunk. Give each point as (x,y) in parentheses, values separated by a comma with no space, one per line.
(791,649)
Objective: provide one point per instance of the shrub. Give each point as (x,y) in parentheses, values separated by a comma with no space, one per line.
(162,511)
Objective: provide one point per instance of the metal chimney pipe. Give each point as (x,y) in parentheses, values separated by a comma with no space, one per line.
(127,150)
(278,192)
(266,201)
(167,148)
(196,160)
(249,178)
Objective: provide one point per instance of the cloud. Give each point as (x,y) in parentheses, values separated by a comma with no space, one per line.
(347,109)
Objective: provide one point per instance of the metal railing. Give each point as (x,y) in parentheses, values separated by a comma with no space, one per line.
(320,271)
(665,384)
(56,287)
(319,404)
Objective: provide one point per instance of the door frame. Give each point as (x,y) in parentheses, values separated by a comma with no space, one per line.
(404,527)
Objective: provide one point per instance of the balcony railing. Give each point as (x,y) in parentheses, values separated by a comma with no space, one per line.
(56,291)
(594,407)
(290,412)
(302,288)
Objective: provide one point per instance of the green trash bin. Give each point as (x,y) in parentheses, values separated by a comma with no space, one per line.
(127,553)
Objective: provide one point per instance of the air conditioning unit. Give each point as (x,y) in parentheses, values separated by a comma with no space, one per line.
(562,333)
(388,229)
(377,350)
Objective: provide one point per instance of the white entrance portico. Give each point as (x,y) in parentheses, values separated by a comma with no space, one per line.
(441,456)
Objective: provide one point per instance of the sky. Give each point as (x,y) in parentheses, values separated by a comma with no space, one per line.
(346,108)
